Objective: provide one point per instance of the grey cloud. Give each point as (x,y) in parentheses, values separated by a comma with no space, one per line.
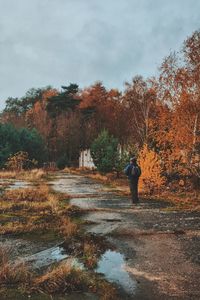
(56,42)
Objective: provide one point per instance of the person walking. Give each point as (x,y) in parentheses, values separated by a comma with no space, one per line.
(133,172)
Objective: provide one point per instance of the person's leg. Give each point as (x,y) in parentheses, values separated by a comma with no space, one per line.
(134,190)
(131,189)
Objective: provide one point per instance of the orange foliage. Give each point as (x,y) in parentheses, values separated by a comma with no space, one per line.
(150,164)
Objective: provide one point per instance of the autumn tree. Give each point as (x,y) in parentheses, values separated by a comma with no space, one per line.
(66,100)
(63,136)
(18,110)
(139,98)
(20,161)
(68,137)
(38,117)
(179,88)
(192,56)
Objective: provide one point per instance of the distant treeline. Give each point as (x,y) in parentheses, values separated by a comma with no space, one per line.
(162,113)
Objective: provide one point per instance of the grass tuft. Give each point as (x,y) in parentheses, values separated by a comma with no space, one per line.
(29,175)
(12,272)
(68,228)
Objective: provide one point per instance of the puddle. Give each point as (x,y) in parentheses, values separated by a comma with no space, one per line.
(112,265)
(46,257)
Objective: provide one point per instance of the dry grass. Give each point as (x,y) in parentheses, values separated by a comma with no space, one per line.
(39,194)
(33,175)
(21,227)
(31,209)
(61,279)
(38,209)
(184,200)
(87,247)
(30,175)
(107,291)
(24,205)
(65,278)
(21,207)
(93,247)
(68,228)
(53,202)
(8,175)
(90,252)
(12,272)
(38,199)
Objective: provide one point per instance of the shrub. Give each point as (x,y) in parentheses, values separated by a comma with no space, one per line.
(104,151)
(150,164)
(14,140)
(20,161)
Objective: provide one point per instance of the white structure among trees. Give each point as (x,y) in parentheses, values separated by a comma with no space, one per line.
(85,160)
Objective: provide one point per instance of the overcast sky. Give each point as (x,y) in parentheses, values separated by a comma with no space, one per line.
(55,42)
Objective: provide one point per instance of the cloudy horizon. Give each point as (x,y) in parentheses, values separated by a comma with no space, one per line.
(46,42)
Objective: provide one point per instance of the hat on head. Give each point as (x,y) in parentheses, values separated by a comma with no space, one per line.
(133,159)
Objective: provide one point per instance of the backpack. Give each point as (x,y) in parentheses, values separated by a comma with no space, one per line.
(126,170)
(136,171)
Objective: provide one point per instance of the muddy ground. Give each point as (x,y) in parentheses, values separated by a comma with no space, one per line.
(157,248)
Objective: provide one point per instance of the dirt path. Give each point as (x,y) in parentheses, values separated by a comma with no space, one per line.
(157,248)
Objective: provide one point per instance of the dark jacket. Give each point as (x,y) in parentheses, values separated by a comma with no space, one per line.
(128,171)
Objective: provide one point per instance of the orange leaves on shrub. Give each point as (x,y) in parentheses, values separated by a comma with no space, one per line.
(151,177)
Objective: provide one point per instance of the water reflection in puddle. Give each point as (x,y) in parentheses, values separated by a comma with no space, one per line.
(112,265)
